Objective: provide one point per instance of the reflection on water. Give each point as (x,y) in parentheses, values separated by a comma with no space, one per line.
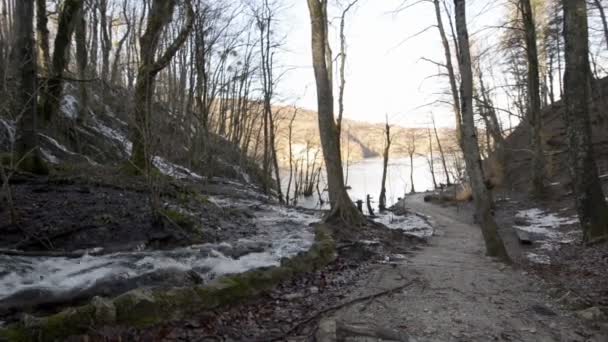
(365,176)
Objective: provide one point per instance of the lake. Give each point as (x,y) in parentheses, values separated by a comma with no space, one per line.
(365,176)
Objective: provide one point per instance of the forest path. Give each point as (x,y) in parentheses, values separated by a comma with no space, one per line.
(456,293)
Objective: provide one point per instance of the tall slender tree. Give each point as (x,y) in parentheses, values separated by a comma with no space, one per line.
(590,201)
(482,198)
(385,155)
(25,54)
(342,207)
(159,16)
(534,101)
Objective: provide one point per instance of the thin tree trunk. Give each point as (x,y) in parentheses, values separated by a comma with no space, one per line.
(343,208)
(81,62)
(600,8)
(451,74)
(442,155)
(534,114)
(387,147)
(590,201)
(25,54)
(42,35)
(160,15)
(432,159)
(51,96)
(481,196)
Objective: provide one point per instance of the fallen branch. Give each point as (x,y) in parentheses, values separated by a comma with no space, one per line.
(342,305)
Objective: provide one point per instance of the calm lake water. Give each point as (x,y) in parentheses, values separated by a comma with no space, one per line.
(364,178)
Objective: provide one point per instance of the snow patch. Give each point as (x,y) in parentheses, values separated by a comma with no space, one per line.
(10,129)
(543,223)
(412,224)
(173,170)
(69,107)
(112,134)
(48,156)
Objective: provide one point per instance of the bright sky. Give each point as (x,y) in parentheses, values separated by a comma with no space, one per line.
(385,74)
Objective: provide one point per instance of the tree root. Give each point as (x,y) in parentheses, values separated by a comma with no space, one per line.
(334,308)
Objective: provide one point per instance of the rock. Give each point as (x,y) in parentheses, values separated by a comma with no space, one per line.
(326,331)
(590,314)
(313,290)
(292,296)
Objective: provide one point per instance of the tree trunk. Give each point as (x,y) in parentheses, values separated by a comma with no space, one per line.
(160,15)
(106,41)
(534,115)
(483,200)
(42,33)
(52,93)
(451,74)
(343,208)
(81,61)
(25,54)
(442,155)
(387,147)
(413,190)
(432,159)
(590,202)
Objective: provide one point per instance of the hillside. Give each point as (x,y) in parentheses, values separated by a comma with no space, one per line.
(359,139)
(518,158)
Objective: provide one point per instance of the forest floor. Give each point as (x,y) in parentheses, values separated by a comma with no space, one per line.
(447,290)
(384,286)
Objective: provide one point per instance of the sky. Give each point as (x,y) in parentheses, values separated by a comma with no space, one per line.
(385,74)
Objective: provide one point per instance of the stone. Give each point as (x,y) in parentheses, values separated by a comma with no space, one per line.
(591,314)
(327,330)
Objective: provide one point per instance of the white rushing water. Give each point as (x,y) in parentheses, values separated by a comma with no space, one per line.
(281,233)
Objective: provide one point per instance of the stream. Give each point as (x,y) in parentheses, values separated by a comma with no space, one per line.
(281,233)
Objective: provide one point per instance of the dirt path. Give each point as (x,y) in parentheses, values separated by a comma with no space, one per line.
(456,294)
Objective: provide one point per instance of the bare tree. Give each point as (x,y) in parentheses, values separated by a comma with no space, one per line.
(52,92)
(533,114)
(590,201)
(342,207)
(481,196)
(385,155)
(451,73)
(26,144)
(441,153)
(161,13)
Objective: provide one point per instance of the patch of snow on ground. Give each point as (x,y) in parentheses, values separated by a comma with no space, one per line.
(546,226)
(10,129)
(543,223)
(411,223)
(48,156)
(57,144)
(173,170)
(112,134)
(69,107)
(282,232)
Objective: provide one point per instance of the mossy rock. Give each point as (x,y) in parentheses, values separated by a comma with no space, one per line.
(146,307)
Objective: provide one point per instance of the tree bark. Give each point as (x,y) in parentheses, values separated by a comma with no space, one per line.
(26,144)
(534,115)
(52,93)
(441,154)
(600,8)
(481,196)
(81,63)
(387,147)
(451,74)
(342,208)
(161,12)
(42,33)
(590,201)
